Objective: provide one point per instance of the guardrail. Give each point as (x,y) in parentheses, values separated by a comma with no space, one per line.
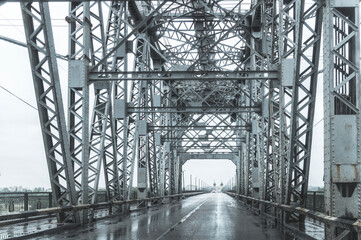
(96,206)
(24,201)
(348,226)
(315,201)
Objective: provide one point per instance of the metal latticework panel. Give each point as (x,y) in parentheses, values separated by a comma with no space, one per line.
(39,37)
(304,97)
(78,102)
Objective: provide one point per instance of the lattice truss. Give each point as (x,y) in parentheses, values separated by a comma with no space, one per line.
(170,78)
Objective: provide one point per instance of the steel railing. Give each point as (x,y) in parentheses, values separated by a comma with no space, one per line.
(96,206)
(346,225)
(24,201)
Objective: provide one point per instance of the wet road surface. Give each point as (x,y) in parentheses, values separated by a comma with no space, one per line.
(206,216)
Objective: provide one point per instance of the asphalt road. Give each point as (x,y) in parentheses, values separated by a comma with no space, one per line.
(206,216)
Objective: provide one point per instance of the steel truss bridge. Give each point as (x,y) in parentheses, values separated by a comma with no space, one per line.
(152,84)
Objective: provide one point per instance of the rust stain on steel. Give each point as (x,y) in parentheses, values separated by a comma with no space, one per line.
(338,171)
(355,171)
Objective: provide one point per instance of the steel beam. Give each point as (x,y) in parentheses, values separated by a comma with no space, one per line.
(304,97)
(78,94)
(342,101)
(40,42)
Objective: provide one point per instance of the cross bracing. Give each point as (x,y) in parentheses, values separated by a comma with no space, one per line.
(208,78)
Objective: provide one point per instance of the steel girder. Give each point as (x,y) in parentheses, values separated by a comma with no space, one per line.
(286,49)
(78,102)
(124,129)
(258,95)
(269,35)
(292,103)
(122,132)
(304,97)
(273,162)
(284,46)
(40,42)
(100,127)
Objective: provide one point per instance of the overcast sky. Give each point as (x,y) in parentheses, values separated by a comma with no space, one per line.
(22,156)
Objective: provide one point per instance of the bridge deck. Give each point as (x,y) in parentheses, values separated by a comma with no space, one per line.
(207,216)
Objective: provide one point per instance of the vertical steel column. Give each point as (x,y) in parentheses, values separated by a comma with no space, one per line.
(264,137)
(288,20)
(237,160)
(164,146)
(258,97)
(40,41)
(141,146)
(144,138)
(114,163)
(303,105)
(166,173)
(154,90)
(273,166)
(179,172)
(248,165)
(172,163)
(342,102)
(78,110)
(147,168)
(123,128)
(269,7)
(158,120)
(176,172)
(100,124)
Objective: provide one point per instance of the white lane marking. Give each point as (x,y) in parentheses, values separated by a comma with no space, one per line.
(182,220)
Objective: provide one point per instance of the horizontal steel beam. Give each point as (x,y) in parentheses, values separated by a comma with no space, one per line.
(215,108)
(201,110)
(4,1)
(195,128)
(233,153)
(207,156)
(197,112)
(183,76)
(210,152)
(213,148)
(188,156)
(202,139)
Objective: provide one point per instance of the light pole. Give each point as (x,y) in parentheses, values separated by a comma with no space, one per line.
(195,183)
